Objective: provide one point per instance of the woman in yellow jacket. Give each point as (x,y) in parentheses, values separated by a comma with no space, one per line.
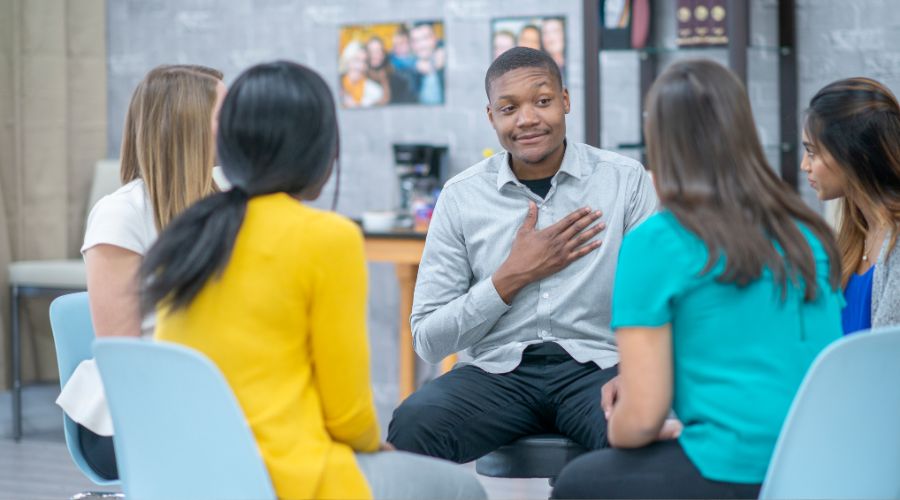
(274,292)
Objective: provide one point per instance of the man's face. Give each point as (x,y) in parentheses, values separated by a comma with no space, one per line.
(423,42)
(401,44)
(527,107)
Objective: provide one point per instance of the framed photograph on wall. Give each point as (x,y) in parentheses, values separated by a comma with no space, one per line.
(392,63)
(546,33)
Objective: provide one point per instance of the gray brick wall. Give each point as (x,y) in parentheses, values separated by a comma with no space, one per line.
(838,39)
(144,33)
(835,39)
(620,84)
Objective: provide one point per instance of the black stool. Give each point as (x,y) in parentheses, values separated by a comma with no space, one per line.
(541,455)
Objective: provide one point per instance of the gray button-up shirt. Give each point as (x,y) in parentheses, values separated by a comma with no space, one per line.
(456,306)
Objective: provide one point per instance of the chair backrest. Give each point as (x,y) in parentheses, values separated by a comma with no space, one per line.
(73,335)
(841,438)
(105,181)
(179,429)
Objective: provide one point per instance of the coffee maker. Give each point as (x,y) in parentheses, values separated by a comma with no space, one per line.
(421,170)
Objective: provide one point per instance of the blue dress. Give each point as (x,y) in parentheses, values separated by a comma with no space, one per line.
(857,315)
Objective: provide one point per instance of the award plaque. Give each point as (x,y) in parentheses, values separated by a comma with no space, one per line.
(718,32)
(685,35)
(701,23)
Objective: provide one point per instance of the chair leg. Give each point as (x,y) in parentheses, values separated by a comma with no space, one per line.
(16,363)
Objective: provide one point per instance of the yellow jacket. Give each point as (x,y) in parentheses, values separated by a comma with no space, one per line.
(286,325)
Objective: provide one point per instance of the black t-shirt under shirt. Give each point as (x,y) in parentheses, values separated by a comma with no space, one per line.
(539,187)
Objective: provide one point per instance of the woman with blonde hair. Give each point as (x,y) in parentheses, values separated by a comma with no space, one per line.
(167,160)
(357,89)
(129,169)
(852,140)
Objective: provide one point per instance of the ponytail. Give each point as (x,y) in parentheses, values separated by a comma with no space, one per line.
(193,248)
(277,133)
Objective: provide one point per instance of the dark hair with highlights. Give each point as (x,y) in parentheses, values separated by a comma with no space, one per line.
(857,121)
(711,173)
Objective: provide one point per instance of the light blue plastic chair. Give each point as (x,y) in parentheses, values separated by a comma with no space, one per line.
(73,335)
(841,438)
(180,432)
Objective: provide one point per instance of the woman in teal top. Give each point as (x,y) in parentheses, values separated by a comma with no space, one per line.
(721,302)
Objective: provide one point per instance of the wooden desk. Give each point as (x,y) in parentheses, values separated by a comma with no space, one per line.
(404,250)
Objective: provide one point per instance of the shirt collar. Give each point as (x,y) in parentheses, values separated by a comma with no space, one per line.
(569,166)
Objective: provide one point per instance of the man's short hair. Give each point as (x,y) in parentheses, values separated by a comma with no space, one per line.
(520,57)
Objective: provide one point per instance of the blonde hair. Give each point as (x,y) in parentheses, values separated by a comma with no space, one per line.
(168,140)
(351,49)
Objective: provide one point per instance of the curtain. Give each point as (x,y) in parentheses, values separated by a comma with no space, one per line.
(52,131)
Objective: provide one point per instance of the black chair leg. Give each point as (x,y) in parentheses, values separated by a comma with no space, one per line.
(16,354)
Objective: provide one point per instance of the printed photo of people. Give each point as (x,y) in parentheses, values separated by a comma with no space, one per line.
(397,63)
(542,33)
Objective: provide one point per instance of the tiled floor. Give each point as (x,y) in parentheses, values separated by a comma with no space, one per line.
(38,467)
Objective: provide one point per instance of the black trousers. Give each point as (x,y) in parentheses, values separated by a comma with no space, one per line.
(467,412)
(659,470)
(98,452)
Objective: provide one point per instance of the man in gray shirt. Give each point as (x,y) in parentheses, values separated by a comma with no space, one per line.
(514,273)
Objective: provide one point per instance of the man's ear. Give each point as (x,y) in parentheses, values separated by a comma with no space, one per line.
(490,114)
(565,94)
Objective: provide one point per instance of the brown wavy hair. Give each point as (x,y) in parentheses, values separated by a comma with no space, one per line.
(167,139)
(857,121)
(711,173)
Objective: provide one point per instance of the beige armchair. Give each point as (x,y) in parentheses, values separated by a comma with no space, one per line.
(31,278)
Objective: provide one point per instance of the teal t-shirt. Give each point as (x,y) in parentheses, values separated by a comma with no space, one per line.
(740,353)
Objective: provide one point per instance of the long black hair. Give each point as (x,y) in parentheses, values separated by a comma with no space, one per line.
(277,132)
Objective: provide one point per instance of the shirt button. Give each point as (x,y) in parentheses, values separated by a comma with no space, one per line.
(543,333)
(545,295)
